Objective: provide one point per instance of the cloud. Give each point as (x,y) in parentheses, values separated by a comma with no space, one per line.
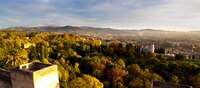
(44,1)
(179,14)
(160,14)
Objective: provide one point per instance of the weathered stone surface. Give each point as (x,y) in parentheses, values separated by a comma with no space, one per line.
(5,84)
(46,78)
(31,75)
(21,80)
(5,79)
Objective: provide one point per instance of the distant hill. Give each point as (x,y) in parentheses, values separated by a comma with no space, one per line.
(137,34)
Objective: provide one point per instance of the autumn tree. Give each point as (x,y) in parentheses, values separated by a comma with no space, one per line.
(86,81)
(115,74)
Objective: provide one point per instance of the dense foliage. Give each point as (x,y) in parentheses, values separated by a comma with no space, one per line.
(91,63)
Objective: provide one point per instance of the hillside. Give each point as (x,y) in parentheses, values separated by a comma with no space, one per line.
(138,34)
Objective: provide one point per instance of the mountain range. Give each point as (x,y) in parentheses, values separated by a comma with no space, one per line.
(84,30)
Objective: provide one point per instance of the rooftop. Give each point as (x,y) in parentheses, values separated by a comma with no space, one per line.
(34,66)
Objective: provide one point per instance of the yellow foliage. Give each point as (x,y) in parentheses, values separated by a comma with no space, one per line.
(196,81)
(135,69)
(138,83)
(86,81)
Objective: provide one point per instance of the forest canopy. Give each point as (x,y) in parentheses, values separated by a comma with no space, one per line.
(93,63)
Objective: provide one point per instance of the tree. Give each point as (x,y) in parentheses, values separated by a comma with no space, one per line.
(86,81)
(160,50)
(63,76)
(135,70)
(180,57)
(116,74)
(118,85)
(42,49)
(120,63)
(195,80)
(15,57)
(137,83)
(14,61)
(33,54)
(174,79)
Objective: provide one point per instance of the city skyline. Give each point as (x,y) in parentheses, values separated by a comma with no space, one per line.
(173,15)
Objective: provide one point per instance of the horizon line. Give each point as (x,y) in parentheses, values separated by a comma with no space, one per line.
(113,28)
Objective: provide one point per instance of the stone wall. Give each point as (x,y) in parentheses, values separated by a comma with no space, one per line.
(5,79)
(5,84)
(22,79)
(46,78)
(31,75)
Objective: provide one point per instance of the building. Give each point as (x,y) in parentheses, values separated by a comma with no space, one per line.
(151,48)
(146,49)
(159,84)
(31,75)
(193,55)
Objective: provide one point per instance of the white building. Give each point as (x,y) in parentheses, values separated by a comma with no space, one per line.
(147,49)
(151,48)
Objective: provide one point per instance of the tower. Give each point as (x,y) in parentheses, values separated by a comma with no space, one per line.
(152,48)
(35,75)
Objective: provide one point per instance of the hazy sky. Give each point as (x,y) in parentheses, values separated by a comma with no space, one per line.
(181,15)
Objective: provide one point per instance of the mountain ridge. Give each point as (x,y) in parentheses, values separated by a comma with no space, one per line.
(96,31)
(23,28)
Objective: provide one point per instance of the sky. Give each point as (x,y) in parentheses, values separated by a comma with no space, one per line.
(175,15)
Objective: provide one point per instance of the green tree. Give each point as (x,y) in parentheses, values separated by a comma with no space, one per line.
(174,79)
(180,57)
(42,49)
(135,70)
